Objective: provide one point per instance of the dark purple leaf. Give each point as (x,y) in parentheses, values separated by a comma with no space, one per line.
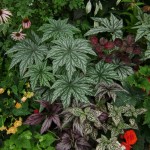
(118,42)
(34,119)
(56,120)
(46,124)
(82,142)
(65,143)
(44,104)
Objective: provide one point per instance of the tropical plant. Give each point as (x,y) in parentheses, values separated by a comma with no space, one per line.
(71,53)
(27,52)
(79,87)
(112,25)
(52,115)
(39,73)
(57,28)
(102,72)
(71,140)
(108,89)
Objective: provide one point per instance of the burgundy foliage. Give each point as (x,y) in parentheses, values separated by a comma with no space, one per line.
(73,140)
(125,50)
(48,115)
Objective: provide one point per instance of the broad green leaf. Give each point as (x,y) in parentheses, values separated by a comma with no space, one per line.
(102,72)
(112,25)
(78,88)
(27,53)
(40,73)
(122,70)
(71,53)
(57,28)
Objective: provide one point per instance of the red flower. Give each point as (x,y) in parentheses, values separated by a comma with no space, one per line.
(126,145)
(94,40)
(109,45)
(36,111)
(130,137)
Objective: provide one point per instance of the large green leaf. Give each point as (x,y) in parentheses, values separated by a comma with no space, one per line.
(134,96)
(71,53)
(102,72)
(27,52)
(57,28)
(122,70)
(142,26)
(78,88)
(147,52)
(112,25)
(40,73)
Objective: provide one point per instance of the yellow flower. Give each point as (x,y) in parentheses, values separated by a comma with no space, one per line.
(2,90)
(23,99)
(2,128)
(12,130)
(28,85)
(29,94)
(18,105)
(18,123)
(8,92)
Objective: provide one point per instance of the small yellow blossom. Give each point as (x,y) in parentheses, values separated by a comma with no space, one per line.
(12,130)
(2,90)
(18,123)
(8,92)
(28,85)
(29,94)
(23,99)
(18,105)
(2,128)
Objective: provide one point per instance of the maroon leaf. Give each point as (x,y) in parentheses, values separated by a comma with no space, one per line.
(94,40)
(46,125)
(118,42)
(109,45)
(34,119)
(103,41)
(81,142)
(56,120)
(44,104)
(65,143)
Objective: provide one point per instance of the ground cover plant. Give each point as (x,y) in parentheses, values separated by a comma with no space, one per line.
(75,75)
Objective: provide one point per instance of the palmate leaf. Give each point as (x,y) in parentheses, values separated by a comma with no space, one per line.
(78,88)
(142,25)
(41,74)
(27,52)
(71,53)
(147,52)
(109,89)
(103,72)
(57,28)
(122,70)
(112,25)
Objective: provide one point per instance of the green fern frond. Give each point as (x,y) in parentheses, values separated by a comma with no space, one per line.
(27,53)
(71,53)
(40,74)
(78,88)
(57,28)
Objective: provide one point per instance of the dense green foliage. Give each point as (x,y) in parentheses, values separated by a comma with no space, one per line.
(75,74)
